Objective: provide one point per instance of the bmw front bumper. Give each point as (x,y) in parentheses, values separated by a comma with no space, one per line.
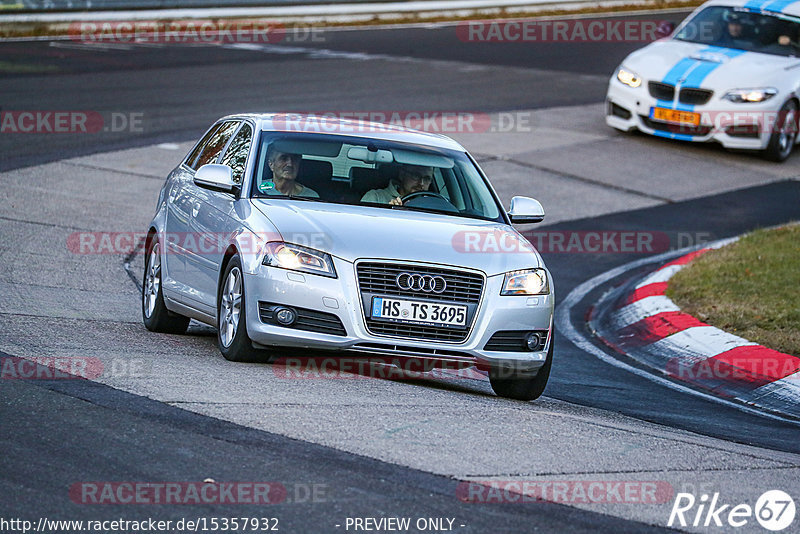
(722,121)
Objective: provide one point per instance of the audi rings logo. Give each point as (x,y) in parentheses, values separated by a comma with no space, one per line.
(421,282)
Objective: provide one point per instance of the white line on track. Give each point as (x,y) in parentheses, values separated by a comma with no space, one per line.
(565,326)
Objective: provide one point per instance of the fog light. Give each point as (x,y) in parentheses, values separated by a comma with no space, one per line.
(532,341)
(284,316)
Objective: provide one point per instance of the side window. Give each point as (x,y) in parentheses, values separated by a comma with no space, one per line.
(215,144)
(236,155)
(199,147)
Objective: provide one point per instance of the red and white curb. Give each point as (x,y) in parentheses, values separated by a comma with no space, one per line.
(641,322)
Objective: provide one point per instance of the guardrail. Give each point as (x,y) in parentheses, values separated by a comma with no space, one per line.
(39,6)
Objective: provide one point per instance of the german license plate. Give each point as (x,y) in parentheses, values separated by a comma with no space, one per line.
(417,312)
(675,116)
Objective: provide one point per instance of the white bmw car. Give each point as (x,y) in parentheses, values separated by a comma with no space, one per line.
(729,73)
(314,234)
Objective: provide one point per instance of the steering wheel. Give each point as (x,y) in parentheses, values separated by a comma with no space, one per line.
(422,194)
(435,201)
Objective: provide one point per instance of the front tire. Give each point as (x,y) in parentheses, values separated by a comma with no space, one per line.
(155,315)
(525,388)
(234,343)
(784,135)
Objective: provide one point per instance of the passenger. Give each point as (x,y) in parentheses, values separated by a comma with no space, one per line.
(284,168)
(410,179)
(790,36)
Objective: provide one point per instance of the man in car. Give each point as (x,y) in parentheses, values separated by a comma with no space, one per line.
(410,179)
(284,168)
(734,30)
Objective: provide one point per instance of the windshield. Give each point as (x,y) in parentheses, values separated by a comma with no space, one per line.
(743,29)
(367,172)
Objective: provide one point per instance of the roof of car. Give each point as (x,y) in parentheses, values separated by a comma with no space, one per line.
(789,7)
(330,125)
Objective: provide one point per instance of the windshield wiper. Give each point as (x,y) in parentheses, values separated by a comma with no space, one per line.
(298,197)
(441,212)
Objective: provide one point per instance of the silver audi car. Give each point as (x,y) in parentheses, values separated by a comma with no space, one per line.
(321,235)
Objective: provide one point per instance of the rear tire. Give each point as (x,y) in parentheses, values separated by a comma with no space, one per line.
(784,135)
(234,343)
(155,315)
(525,388)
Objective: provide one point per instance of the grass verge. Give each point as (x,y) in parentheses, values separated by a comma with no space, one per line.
(750,288)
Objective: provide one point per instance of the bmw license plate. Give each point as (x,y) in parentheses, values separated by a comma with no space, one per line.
(416,312)
(675,116)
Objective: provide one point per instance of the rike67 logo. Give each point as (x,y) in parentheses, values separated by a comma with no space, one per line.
(774,510)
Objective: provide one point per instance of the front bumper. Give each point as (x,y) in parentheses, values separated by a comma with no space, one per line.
(737,126)
(340,297)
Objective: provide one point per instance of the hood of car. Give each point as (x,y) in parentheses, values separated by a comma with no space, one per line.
(356,232)
(698,65)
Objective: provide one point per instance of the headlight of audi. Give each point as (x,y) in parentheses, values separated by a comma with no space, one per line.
(527,282)
(298,258)
(758,94)
(628,77)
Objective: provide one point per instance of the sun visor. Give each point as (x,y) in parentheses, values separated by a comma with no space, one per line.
(307,147)
(423,159)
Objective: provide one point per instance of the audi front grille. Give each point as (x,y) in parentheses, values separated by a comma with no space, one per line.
(379,279)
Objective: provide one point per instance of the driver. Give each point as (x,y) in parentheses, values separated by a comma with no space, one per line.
(734,30)
(410,179)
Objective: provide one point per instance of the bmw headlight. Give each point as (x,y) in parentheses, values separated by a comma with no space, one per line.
(527,282)
(298,258)
(628,77)
(758,94)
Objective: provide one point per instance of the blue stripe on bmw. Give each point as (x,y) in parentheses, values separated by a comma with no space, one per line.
(670,135)
(756,4)
(778,5)
(680,70)
(697,75)
(675,74)
(693,72)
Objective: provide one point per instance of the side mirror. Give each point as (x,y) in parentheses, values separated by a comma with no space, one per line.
(525,210)
(665,29)
(217,177)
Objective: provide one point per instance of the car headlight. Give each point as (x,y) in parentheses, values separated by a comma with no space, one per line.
(629,78)
(758,94)
(298,258)
(527,282)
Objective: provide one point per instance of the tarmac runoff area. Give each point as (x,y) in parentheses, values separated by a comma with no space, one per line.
(86,305)
(639,321)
